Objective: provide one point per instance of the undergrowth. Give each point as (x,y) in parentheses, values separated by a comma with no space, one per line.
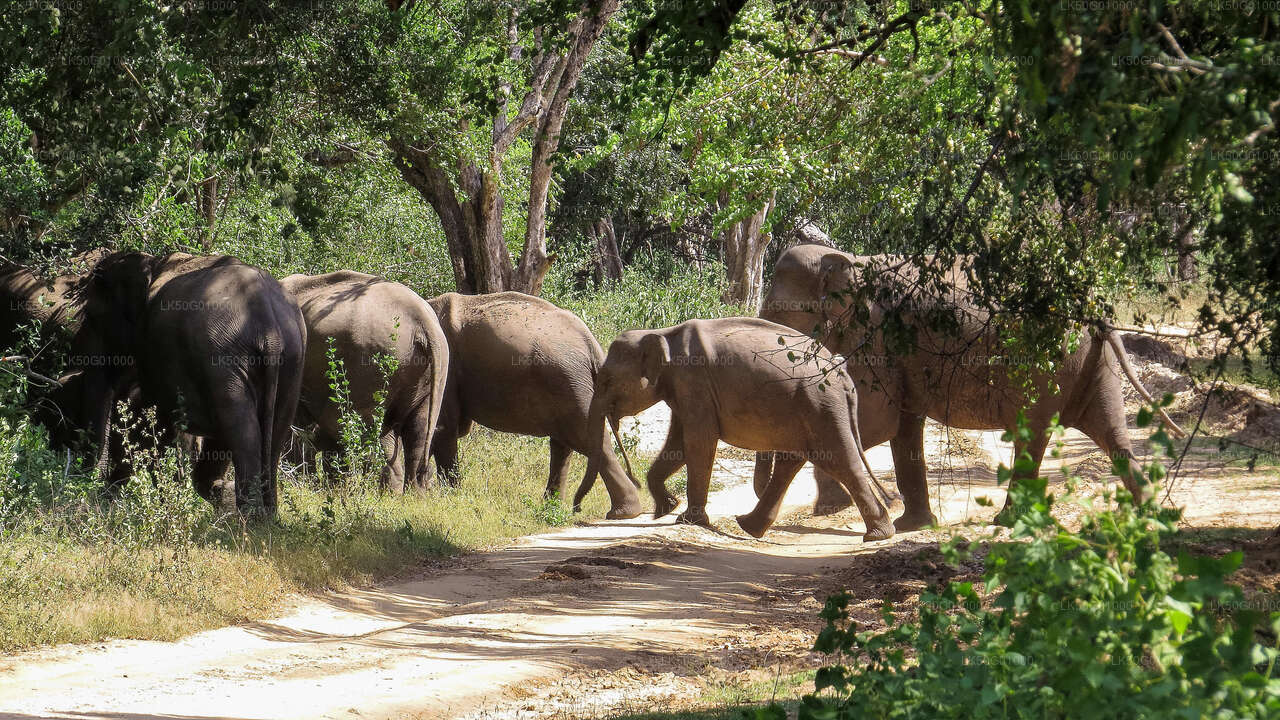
(1099,622)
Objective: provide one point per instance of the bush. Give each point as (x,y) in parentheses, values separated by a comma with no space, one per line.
(1095,623)
(647,298)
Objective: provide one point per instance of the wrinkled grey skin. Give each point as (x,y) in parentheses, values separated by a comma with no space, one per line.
(214,344)
(366,316)
(522,365)
(959,379)
(25,297)
(728,380)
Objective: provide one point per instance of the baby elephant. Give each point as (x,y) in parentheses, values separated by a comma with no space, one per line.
(729,379)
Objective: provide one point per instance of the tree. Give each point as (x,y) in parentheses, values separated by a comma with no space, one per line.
(544,61)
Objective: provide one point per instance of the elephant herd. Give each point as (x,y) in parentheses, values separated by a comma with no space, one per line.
(232,359)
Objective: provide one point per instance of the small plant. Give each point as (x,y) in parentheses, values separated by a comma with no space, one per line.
(362,454)
(1095,623)
(551,511)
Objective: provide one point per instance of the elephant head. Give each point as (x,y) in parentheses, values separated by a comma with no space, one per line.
(106,346)
(629,382)
(837,273)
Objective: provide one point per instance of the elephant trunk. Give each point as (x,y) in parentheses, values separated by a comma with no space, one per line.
(626,460)
(97,403)
(623,498)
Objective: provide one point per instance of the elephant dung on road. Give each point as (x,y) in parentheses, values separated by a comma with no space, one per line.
(365,317)
(956,371)
(519,364)
(728,379)
(214,344)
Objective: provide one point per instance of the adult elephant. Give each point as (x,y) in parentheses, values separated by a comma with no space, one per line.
(26,297)
(369,321)
(519,364)
(214,344)
(956,371)
(726,379)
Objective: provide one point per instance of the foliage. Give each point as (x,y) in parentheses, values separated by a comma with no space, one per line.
(1095,623)
(645,298)
(1105,141)
(362,454)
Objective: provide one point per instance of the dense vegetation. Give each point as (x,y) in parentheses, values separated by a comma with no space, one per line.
(639,163)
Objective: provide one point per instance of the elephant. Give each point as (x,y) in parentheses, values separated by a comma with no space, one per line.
(60,410)
(956,373)
(725,380)
(214,344)
(26,297)
(364,317)
(520,364)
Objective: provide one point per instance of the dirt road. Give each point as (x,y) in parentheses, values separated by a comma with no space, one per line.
(561,617)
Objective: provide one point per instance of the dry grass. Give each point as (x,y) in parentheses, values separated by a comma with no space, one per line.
(82,574)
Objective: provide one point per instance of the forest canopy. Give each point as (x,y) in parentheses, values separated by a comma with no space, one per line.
(1079,152)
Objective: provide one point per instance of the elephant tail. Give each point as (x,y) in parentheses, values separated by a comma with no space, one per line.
(436,346)
(282,358)
(1113,339)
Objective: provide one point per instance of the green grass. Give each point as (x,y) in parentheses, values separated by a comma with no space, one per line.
(159,565)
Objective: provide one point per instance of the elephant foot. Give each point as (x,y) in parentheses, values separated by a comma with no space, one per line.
(625,512)
(831,508)
(874,533)
(664,506)
(694,516)
(914,521)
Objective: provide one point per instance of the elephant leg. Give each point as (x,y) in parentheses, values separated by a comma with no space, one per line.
(416,439)
(393,468)
(847,467)
(210,467)
(1035,450)
(832,495)
(757,522)
(558,476)
(670,459)
(763,472)
(444,448)
(242,434)
(699,457)
(909,468)
(1104,423)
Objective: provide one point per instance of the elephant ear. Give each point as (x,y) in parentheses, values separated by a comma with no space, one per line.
(835,275)
(654,354)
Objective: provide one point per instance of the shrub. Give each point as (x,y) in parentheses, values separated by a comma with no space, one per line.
(648,298)
(1095,623)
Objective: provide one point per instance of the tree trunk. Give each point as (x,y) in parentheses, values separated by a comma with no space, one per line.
(606,261)
(473,226)
(534,260)
(744,248)
(1187,268)
(207,196)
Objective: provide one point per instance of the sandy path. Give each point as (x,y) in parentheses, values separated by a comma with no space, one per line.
(493,627)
